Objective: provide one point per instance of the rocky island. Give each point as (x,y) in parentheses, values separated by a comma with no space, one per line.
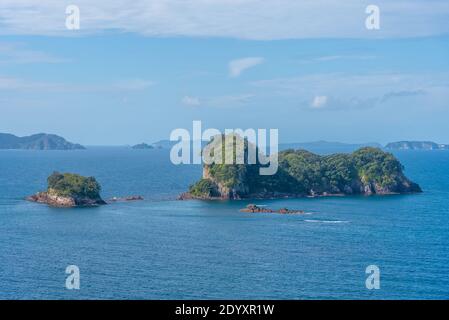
(40,141)
(367,171)
(416,145)
(70,190)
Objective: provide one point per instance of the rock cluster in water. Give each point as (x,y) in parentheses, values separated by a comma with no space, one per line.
(252,208)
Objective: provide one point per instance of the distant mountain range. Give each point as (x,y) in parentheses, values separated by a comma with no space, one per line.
(416,145)
(325,147)
(41,141)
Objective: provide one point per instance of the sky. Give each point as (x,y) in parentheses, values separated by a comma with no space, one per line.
(135,71)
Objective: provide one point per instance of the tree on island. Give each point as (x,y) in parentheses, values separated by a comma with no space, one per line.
(73,185)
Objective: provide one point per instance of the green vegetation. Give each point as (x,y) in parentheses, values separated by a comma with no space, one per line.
(340,173)
(204,188)
(375,165)
(73,185)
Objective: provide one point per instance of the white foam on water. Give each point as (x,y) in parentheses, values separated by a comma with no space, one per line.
(327,221)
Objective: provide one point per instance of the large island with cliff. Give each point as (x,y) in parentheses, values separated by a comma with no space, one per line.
(367,171)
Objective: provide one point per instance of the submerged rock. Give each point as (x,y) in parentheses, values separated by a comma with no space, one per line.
(129,198)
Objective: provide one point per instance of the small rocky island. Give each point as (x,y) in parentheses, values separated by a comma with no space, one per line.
(367,171)
(70,190)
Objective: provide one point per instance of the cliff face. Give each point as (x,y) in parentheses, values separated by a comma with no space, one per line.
(367,171)
(225,191)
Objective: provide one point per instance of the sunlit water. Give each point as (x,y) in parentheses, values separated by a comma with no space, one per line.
(162,248)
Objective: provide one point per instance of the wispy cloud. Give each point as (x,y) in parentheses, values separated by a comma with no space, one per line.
(19,53)
(191,101)
(351,91)
(236,67)
(18,84)
(225,101)
(132,84)
(331,58)
(231,100)
(401,94)
(244,19)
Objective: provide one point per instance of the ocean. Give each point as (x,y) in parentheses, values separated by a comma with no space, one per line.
(162,248)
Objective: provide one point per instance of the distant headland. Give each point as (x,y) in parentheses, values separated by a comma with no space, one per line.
(41,141)
(301,173)
(416,145)
(142,146)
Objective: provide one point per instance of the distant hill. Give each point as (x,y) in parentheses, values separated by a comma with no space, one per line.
(416,145)
(167,144)
(142,146)
(164,144)
(41,141)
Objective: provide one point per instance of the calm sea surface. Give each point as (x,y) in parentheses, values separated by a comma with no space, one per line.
(161,248)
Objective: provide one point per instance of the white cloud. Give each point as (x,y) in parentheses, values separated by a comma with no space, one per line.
(244,19)
(319,102)
(236,67)
(191,101)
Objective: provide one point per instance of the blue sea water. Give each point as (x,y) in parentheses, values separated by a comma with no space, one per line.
(162,248)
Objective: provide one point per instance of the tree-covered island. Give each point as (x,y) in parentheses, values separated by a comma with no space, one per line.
(70,190)
(367,171)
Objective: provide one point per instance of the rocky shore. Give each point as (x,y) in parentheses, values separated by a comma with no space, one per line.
(55,200)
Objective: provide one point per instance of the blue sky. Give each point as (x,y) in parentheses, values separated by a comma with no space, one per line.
(124,79)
